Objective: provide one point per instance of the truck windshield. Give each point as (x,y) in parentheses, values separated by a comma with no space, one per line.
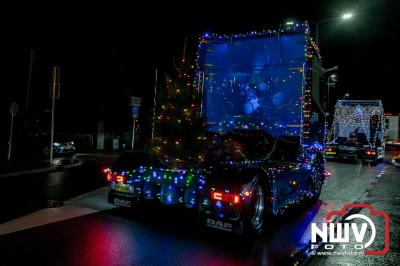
(254,83)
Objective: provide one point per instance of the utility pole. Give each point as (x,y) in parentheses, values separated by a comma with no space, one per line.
(55,93)
(28,86)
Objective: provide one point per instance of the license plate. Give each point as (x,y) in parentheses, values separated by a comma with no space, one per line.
(331,152)
(122,188)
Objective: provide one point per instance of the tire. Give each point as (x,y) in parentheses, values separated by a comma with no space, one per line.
(255,216)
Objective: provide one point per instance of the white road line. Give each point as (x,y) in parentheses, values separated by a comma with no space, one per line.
(92,202)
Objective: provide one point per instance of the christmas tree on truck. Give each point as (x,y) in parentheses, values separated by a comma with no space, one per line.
(178,127)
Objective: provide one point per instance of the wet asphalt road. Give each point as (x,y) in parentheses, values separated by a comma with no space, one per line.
(100,234)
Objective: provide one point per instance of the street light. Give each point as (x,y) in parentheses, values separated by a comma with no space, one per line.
(345,16)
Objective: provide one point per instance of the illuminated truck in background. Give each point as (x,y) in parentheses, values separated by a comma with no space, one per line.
(392,126)
(357,131)
(266,131)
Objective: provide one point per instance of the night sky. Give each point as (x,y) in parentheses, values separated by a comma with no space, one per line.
(97,80)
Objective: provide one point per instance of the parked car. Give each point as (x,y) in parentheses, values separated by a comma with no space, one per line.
(60,148)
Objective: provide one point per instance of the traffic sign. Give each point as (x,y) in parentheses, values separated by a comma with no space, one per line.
(136,101)
(135,111)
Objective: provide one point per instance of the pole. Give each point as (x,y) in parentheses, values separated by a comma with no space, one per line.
(321,22)
(133,133)
(328,103)
(28,89)
(53,107)
(10,139)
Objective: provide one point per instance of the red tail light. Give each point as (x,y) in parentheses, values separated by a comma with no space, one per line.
(329,149)
(370,152)
(119,178)
(115,177)
(109,177)
(225,197)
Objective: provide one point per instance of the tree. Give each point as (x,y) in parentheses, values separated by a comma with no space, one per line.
(178,127)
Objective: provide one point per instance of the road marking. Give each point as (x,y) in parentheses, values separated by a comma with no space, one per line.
(91,202)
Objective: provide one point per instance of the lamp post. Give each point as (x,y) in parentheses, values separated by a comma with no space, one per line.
(346,95)
(345,16)
(332,80)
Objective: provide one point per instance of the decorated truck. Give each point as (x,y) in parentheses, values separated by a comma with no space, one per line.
(265,128)
(392,126)
(357,131)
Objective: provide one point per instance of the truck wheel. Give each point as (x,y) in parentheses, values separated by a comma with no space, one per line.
(254,220)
